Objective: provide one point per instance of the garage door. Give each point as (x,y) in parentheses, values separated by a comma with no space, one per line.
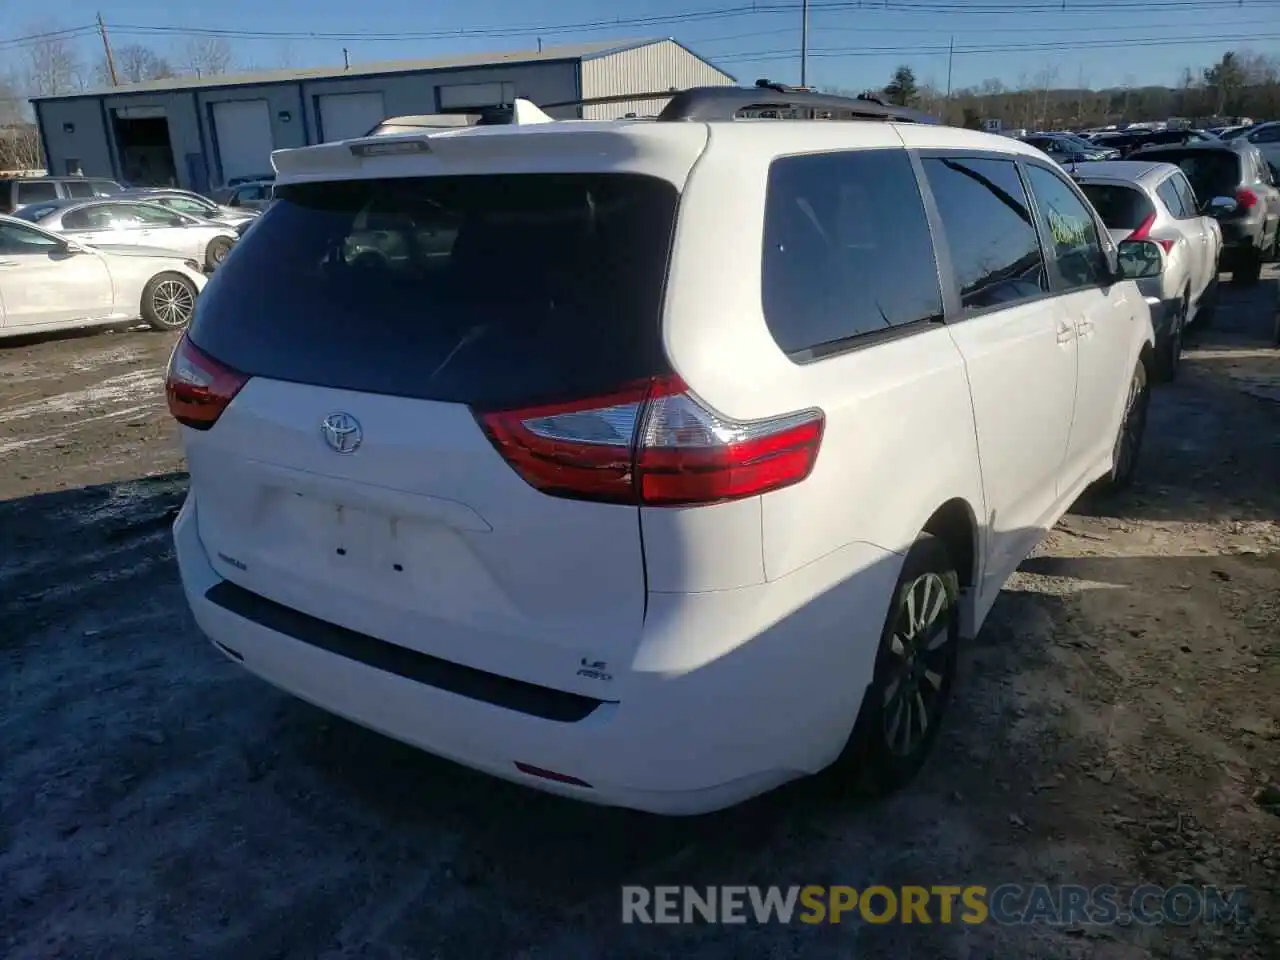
(243,129)
(347,115)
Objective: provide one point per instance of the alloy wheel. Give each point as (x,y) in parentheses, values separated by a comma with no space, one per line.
(174,302)
(919,664)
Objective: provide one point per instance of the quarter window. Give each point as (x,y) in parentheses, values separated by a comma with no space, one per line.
(991,233)
(847,250)
(1190,202)
(1169,195)
(1071,230)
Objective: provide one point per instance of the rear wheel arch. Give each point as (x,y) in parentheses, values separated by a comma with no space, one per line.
(956,525)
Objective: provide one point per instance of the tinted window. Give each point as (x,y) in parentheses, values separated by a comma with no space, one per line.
(88,218)
(995,252)
(1168,195)
(78,188)
(1190,203)
(1077,248)
(186,205)
(1268,134)
(1213,173)
(33,191)
(151,215)
(36,211)
(18,240)
(104,188)
(491,290)
(847,249)
(1121,208)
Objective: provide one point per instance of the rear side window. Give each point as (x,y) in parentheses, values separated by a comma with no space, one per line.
(78,188)
(35,191)
(847,250)
(1121,208)
(1190,203)
(1168,194)
(1070,227)
(991,233)
(494,290)
(1213,173)
(88,218)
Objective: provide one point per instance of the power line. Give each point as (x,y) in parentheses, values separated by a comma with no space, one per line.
(945,50)
(987,7)
(67,33)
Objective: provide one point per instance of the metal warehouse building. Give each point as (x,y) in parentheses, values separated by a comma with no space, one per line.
(199,134)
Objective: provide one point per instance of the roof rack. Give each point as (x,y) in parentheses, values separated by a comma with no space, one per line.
(766,100)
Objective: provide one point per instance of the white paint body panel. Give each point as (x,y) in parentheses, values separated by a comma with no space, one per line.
(739,637)
(245,138)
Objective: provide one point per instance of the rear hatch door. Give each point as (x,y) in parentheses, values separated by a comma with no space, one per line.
(350,479)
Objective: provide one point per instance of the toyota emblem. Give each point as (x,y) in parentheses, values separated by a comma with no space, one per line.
(342,432)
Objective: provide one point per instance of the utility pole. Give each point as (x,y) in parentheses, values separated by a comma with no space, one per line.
(106,45)
(951,55)
(804,43)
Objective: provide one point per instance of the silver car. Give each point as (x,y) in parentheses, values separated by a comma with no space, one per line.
(193,204)
(1142,200)
(135,223)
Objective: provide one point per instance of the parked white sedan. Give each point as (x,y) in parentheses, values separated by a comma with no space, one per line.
(48,282)
(135,223)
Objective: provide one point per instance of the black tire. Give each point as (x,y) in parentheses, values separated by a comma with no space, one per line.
(168,301)
(1208,309)
(1168,357)
(913,677)
(1247,272)
(216,252)
(1133,427)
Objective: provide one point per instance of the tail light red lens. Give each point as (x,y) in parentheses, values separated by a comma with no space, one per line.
(198,387)
(1144,233)
(654,444)
(1247,199)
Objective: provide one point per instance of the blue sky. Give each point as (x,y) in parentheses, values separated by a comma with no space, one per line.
(853,44)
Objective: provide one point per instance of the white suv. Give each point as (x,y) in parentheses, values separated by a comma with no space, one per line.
(652,462)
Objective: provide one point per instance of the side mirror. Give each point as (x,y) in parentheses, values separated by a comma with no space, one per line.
(1139,259)
(1219,206)
(177,221)
(71,247)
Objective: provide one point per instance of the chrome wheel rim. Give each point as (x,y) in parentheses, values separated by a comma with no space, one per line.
(1130,430)
(173,302)
(919,664)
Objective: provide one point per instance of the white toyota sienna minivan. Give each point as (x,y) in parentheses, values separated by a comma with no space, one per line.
(652,462)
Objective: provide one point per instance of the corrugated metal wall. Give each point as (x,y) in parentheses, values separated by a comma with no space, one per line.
(648,69)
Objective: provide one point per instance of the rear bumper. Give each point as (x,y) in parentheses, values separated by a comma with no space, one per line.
(775,706)
(1163,311)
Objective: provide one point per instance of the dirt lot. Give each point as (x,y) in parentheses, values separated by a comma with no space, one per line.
(1118,716)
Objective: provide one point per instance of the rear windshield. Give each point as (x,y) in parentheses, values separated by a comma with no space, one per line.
(486,290)
(1213,173)
(1121,208)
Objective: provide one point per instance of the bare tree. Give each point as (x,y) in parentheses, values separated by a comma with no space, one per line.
(135,63)
(12,103)
(205,56)
(20,147)
(53,66)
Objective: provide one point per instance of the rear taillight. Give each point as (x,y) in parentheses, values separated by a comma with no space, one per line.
(653,443)
(198,387)
(1246,199)
(1144,233)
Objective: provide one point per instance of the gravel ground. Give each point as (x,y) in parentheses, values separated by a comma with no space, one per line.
(1116,723)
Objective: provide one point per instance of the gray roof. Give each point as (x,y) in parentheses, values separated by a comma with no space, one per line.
(573,51)
(1132,171)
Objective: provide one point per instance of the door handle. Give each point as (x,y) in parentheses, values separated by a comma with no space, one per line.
(1065,332)
(1084,326)
(8,263)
